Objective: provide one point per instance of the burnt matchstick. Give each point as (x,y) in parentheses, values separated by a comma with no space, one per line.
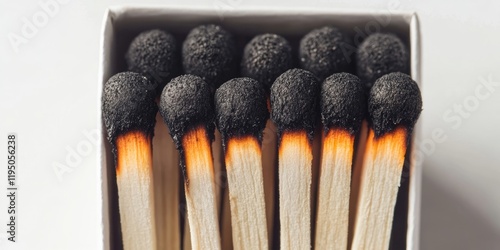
(129,116)
(321,51)
(394,105)
(343,107)
(154,54)
(265,58)
(241,115)
(294,104)
(381,54)
(209,51)
(186,107)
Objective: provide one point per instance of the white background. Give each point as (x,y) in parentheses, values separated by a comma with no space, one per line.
(48,95)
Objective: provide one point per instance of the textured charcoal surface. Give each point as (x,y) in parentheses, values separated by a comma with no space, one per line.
(295,101)
(265,58)
(343,102)
(209,51)
(322,51)
(127,105)
(241,108)
(394,100)
(156,55)
(186,102)
(380,54)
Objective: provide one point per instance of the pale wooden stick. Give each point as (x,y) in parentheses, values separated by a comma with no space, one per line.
(186,243)
(135,191)
(246,193)
(356,176)
(218,156)
(295,159)
(166,187)
(226,227)
(380,179)
(200,190)
(315,169)
(334,189)
(269,167)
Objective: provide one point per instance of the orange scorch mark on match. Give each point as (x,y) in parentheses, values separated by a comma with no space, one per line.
(197,151)
(133,151)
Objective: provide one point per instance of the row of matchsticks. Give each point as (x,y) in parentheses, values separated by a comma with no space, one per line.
(337,149)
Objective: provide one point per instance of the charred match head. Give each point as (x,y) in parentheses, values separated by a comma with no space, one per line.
(321,51)
(294,101)
(394,100)
(380,54)
(154,54)
(128,105)
(209,51)
(343,102)
(185,103)
(241,109)
(266,57)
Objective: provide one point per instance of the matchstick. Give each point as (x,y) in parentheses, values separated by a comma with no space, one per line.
(294,108)
(241,115)
(226,232)
(187,109)
(269,171)
(343,108)
(394,105)
(129,116)
(166,181)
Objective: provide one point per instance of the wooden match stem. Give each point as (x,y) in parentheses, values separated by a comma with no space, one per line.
(269,169)
(166,187)
(200,190)
(135,191)
(334,190)
(295,176)
(380,179)
(246,193)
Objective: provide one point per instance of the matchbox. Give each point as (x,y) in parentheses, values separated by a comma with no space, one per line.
(122,23)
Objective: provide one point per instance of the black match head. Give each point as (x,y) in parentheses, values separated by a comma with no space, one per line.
(322,51)
(294,101)
(186,102)
(155,54)
(394,100)
(265,58)
(343,102)
(241,108)
(128,104)
(380,54)
(209,51)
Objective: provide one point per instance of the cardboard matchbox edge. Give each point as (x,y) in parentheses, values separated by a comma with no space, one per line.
(252,20)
